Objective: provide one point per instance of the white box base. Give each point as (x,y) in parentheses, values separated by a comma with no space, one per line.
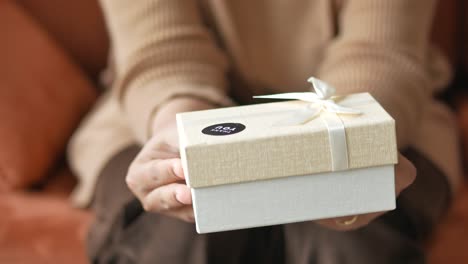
(294,199)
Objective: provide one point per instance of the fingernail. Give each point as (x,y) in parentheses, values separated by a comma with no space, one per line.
(183,196)
(178,196)
(177,169)
(191,218)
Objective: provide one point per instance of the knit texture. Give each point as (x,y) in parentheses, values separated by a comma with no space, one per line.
(218,50)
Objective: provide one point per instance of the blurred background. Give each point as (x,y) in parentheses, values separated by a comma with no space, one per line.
(51,55)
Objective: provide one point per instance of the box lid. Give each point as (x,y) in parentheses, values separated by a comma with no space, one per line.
(245,143)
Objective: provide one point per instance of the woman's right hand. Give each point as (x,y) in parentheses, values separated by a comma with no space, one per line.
(156,176)
(157,179)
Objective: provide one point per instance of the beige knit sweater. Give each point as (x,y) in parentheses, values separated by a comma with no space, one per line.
(221,50)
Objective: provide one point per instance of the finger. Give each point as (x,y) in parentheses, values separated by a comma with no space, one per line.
(155,149)
(161,172)
(167,197)
(144,178)
(361,221)
(184,213)
(405,174)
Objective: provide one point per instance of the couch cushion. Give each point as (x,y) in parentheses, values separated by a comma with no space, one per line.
(41,228)
(42,97)
(79,27)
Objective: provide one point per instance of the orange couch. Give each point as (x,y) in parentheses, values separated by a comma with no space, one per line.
(51,52)
(37,223)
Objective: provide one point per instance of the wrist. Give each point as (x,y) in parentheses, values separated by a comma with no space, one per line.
(165,116)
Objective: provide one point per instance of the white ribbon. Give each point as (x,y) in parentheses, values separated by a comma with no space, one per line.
(322,100)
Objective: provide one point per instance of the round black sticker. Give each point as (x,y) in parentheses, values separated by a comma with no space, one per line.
(223,129)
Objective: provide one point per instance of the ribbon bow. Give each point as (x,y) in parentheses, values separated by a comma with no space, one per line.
(321,100)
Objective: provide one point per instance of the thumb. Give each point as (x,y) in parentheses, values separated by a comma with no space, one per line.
(405,174)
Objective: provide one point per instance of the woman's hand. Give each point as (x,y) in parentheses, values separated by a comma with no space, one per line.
(156,176)
(405,174)
(157,179)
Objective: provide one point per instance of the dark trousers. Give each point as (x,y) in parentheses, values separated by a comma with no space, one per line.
(125,233)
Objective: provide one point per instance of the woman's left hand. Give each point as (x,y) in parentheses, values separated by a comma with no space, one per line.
(405,174)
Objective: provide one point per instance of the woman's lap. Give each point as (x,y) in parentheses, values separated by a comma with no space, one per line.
(124,233)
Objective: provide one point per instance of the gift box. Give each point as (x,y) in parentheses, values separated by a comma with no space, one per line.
(319,157)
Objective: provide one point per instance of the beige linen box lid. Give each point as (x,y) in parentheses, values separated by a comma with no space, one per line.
(265,150)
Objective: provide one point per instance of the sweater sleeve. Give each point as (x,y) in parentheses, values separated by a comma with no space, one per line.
(161,50)
(382,47)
